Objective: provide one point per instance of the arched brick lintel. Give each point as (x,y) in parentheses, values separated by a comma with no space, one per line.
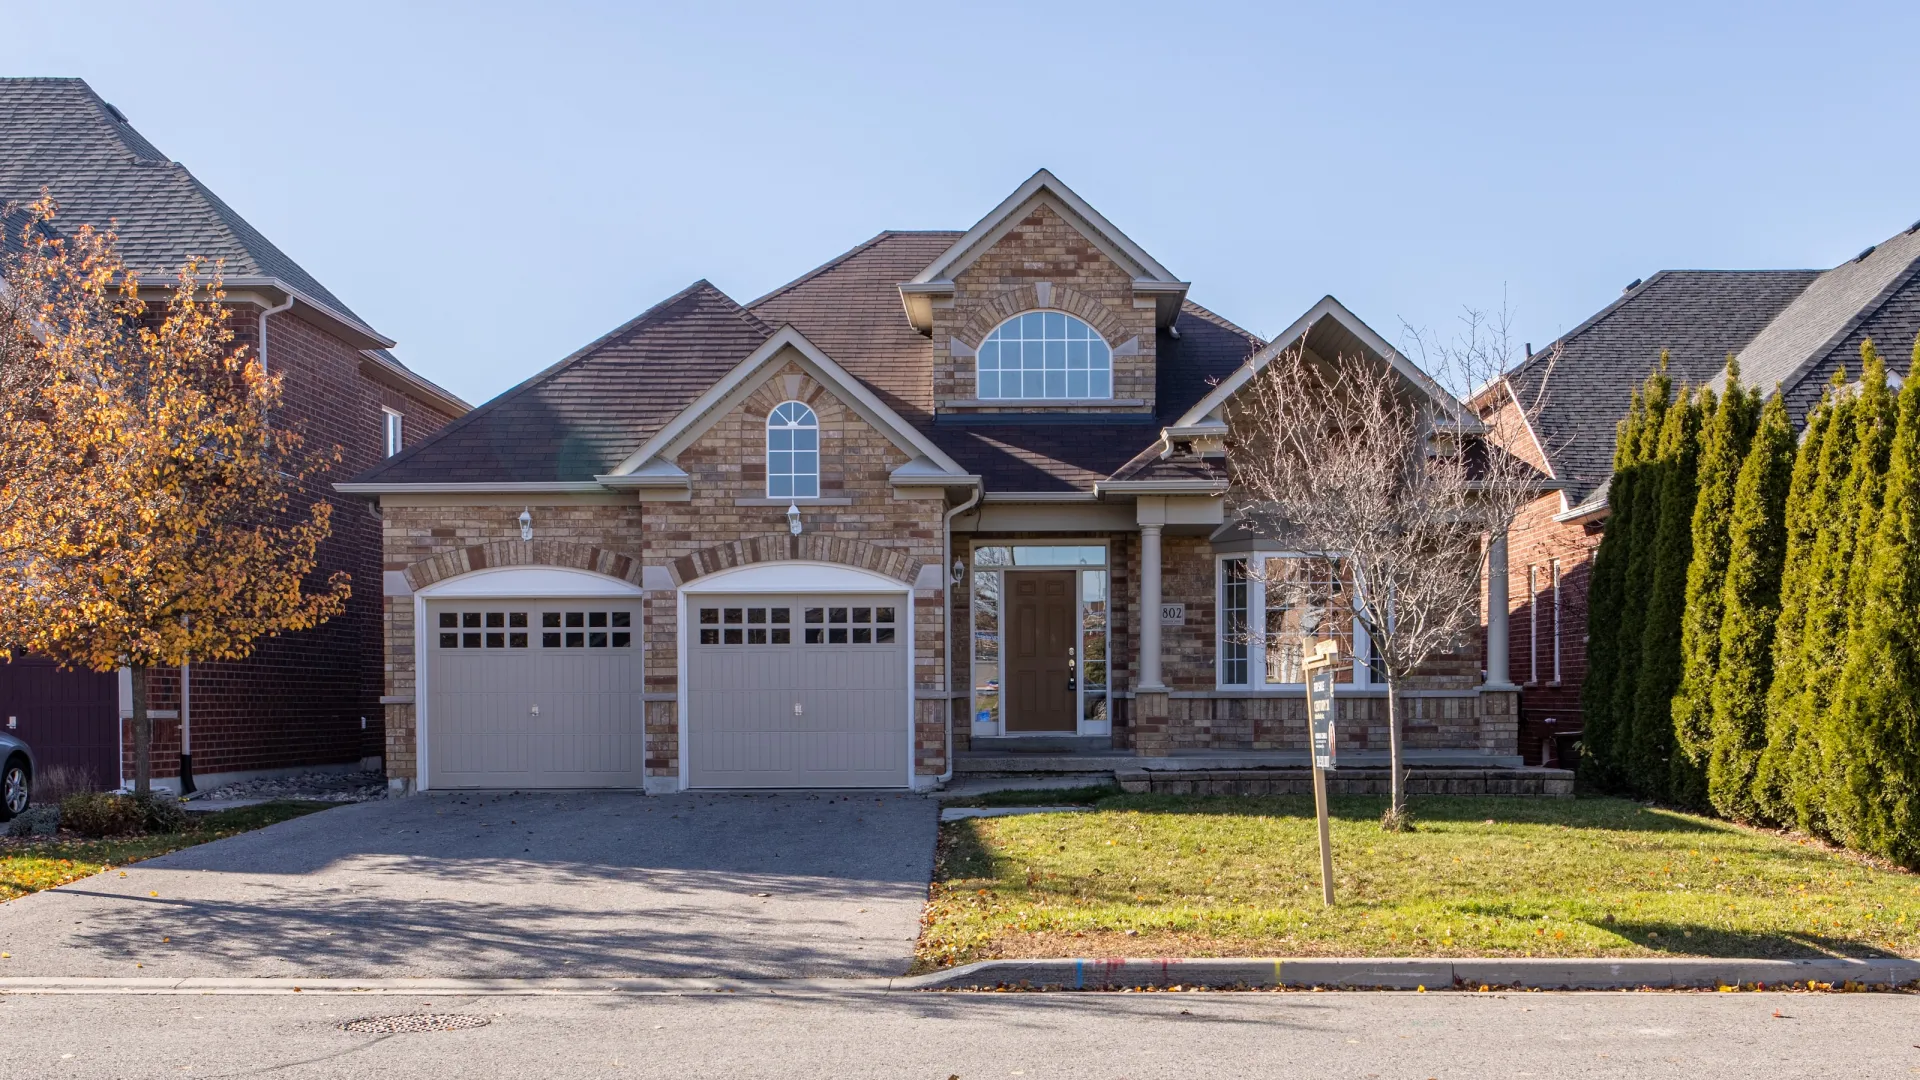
(782,547)
(1027,298)
(501,553)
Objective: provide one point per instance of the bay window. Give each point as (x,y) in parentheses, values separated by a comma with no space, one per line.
(1272,607)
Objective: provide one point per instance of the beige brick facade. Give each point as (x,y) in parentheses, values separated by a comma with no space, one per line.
(860,520)
(1045,263)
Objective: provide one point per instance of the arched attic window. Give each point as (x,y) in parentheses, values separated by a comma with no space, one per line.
(1040,355)
(793,452)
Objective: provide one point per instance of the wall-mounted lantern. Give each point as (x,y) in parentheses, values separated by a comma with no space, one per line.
(793,518)
(526,523)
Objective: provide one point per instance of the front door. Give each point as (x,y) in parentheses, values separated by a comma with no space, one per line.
(1040,656)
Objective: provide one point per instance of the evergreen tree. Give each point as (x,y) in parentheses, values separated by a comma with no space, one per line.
(1606,723)
(1650,744)
(1723,447)
(1818,472)
(1874,728)
(1839,580)
(1750,599)
(1604,592)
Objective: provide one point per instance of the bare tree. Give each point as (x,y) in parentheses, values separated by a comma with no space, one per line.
(1379,473)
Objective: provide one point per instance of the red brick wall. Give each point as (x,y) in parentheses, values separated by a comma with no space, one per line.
(1536,542)
(300,699)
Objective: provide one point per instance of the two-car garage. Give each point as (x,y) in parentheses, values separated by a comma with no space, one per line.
(789,676)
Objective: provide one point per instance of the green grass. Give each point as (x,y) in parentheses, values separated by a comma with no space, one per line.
(45,862)
(1148,875)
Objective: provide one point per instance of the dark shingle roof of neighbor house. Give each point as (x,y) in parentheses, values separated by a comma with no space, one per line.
(585,414)
(1698,316)
(59,135)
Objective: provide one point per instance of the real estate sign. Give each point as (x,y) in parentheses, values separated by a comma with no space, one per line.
(1320,673)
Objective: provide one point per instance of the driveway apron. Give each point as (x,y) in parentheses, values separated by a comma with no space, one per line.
(511,886)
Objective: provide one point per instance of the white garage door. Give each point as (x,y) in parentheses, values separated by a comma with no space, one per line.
(534,694)
(797,691)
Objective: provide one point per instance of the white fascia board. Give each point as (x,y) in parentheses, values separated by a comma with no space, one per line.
(1583,513)
(707,409)
(923,473)
(1161,487)
(654,474)
(1040,497)
(1042,184)
(359,333)
(541,487)
(379,368)
(1328,307)
(1194,431)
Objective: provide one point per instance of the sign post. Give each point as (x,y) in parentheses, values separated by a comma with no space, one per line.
(1319,667)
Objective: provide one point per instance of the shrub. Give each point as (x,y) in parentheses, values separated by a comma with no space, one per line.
(96,814)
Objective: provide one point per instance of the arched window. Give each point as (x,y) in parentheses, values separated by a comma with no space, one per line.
(1044,354)
(793,452)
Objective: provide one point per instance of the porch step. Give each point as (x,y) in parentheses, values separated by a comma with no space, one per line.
(1045,744)
(1550,783)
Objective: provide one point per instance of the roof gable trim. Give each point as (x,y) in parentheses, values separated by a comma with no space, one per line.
(733,388)
(1327,308)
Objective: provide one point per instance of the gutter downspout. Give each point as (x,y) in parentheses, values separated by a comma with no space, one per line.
(946,607)
(284,305)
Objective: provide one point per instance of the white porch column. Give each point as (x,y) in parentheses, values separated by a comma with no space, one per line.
(1149,608)
(1497,611)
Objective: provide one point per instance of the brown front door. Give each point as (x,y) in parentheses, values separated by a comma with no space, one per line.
(1040,643)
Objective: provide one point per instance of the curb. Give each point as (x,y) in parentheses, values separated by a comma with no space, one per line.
(1110,973)
(438,987)
(1115,973)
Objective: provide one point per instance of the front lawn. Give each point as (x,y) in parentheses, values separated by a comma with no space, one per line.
(1147,875)
(43,862)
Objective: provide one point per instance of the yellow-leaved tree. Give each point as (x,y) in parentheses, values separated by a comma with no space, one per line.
(151,514)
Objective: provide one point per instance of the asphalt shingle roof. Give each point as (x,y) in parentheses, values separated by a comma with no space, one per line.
(585,414)
(59,135)
(1817,320)
(1698,316)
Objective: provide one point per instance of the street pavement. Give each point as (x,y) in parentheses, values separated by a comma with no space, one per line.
(903,1036)
(510,886)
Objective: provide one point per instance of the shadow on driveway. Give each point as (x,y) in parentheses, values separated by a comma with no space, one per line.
(511,885)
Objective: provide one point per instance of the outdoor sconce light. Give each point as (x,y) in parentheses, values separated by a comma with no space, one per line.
(526,523)
(793,518)
(959,571)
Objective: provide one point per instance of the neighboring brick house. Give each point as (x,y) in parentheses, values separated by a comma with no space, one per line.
(1790,330)
(305,699)
(917,500)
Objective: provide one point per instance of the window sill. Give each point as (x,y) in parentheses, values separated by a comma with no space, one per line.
(1043,403)
(798,502)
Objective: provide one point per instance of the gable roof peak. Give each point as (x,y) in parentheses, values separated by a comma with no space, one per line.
(1042,188)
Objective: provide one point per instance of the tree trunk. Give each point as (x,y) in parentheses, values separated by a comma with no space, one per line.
(142,735)
(1398,778)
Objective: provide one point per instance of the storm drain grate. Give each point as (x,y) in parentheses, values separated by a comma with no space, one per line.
(408,1023)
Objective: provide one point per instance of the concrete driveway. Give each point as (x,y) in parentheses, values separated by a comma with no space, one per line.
(510,885)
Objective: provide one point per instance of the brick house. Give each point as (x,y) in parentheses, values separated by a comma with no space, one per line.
(302,700)
(946,491)
(1790,329)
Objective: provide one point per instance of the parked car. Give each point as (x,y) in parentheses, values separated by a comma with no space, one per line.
(16,779)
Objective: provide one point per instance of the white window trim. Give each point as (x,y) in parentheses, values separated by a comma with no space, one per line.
(1095,335)
(767,448)
(1533,624)
(1257,617)
(392,430)
(1555,566)
(1081,725)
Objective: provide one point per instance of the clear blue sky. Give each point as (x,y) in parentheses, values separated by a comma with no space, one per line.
(496,184)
